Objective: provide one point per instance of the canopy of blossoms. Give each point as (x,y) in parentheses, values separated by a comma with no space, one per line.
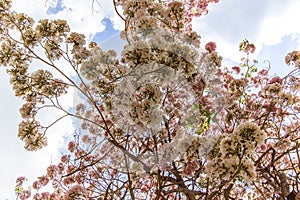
(163,120)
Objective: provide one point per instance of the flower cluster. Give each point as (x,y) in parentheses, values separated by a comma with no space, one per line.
(43,83)
(231,158)
(20,192)
(29,132)
(247,47)
(293,58)
(79,51)
(144,108)
(17,54)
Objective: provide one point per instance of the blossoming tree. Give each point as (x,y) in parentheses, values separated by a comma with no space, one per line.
(163,120)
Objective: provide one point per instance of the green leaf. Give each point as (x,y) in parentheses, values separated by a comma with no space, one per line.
(199,131)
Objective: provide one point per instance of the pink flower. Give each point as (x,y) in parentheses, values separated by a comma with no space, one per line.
(65,158)
(68,181)
(36,185)
(263,72)
(211,47)
(263,147)
(45,195)
(72,146)
(144,188)
(20,181)
(51,171)
(266,105)
(237,69)
(60,167)
(275,79)
(44,180)
(252,48)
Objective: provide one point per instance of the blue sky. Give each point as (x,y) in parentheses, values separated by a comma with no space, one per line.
(270,24)
(55,7)
(108,32)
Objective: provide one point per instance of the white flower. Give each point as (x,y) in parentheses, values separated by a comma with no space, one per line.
(248,170)
(251,132)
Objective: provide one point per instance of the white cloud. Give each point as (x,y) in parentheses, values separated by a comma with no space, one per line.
(262,22)
(282,20)
(34,8)
(83,16)
(51,3)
